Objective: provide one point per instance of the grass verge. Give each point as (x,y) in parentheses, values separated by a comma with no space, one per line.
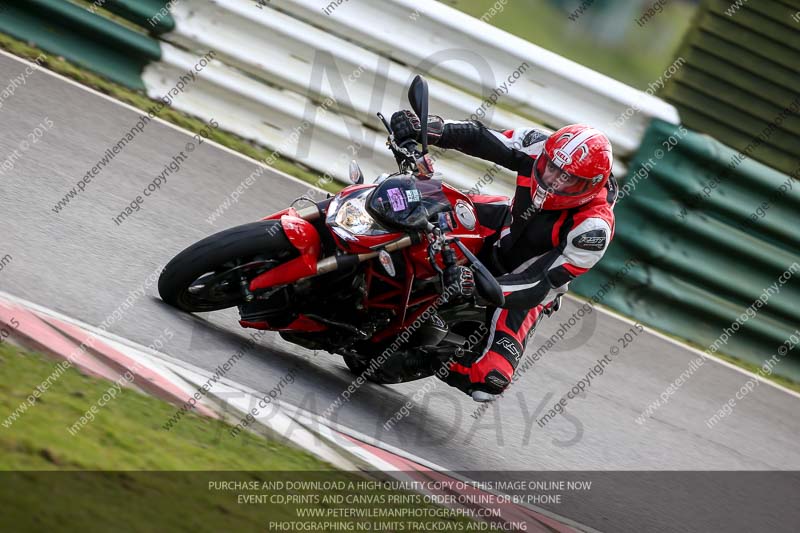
(143,102)
(125,436)
(126,433)
(122,472)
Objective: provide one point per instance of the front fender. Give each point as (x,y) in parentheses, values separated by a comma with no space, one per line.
(291,211)
(305,238)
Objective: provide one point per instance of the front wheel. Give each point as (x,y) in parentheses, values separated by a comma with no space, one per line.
(210,274)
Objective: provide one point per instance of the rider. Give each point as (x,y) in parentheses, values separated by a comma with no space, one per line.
(558,226)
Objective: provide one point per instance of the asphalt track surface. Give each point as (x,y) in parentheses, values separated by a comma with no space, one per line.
(81,263)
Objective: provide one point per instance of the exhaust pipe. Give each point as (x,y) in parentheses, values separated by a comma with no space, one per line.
(341,262)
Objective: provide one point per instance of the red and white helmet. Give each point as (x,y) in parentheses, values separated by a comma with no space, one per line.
(572,169)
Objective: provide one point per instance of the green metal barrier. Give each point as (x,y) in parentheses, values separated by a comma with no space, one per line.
(741,72)
(85,38)
(712,231)
(151,15)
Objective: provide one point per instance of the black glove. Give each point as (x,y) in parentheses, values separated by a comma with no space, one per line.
(459,282)
(406,126)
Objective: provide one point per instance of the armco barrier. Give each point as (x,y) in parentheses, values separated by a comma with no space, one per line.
(280,62)
(742,70)
(286,53)
(86,39)
(711,232)
(290,123)
(152,15)
(474,56)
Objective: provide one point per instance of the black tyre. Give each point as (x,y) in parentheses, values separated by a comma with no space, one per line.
(207,276)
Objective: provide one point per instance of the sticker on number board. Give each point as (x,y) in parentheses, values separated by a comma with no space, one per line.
(397,199)
(412,195)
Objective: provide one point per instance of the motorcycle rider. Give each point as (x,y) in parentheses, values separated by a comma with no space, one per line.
(557,227)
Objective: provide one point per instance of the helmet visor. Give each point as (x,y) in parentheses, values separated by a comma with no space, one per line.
(560,182)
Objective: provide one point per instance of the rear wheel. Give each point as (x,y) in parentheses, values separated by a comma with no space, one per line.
(209,275)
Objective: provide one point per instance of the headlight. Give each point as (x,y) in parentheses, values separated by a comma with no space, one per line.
(351,215)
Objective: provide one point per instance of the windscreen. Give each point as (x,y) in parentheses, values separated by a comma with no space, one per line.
(408,203)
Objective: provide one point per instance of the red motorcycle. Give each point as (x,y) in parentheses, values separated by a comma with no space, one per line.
(359,274)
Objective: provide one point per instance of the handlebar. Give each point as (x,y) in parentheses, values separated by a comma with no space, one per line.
(408,157)
(487,285)
(411,146)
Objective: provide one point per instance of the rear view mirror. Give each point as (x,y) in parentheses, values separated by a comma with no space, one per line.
(418,98)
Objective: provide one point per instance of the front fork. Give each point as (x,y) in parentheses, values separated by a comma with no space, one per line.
(440,245)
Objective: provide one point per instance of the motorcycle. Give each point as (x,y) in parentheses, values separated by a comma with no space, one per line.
(359,274)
